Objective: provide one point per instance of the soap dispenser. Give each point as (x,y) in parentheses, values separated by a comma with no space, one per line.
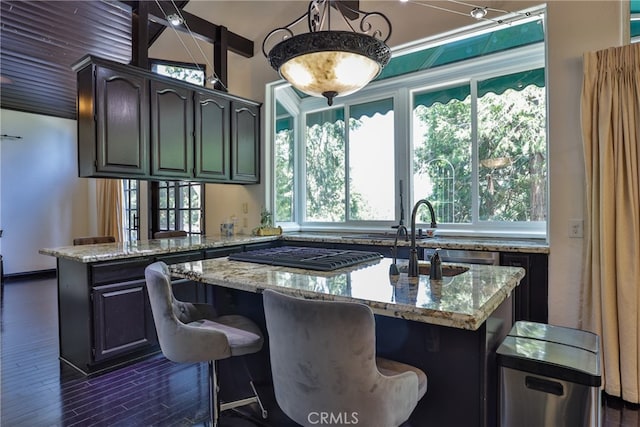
(435,272)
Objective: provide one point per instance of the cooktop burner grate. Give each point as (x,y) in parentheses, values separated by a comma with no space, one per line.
(308,258)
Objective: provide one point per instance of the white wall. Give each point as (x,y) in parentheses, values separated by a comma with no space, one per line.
(574,27)
(43,202)
(226,201)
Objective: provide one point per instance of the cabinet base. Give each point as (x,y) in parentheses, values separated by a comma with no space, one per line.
(111,365)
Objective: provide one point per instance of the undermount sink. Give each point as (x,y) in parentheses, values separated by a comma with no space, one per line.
(447,270)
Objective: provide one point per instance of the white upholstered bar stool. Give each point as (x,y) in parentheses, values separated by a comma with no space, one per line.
(323,362)
(190,332)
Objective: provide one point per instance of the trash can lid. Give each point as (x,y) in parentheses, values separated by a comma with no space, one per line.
(558,334)
(550,359)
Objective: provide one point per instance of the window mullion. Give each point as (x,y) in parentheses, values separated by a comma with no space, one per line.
(301,169)
(403,153)
(475,191)
(347,186)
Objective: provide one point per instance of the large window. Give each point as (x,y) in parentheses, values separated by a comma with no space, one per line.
(501,123)
(179,206)
(350,172)
(179,70)
(131,209)
(468,134)
(634,25)
(325,167)
(284,150)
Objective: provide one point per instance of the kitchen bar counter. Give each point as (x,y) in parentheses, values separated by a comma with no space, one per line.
(450,328)
(140,248)
(444,242)
(154,247)
(463,301)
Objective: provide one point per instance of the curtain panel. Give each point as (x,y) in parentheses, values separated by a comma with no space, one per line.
(109,201)
(610,299)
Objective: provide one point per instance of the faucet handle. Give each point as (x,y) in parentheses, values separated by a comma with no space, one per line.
(435,270)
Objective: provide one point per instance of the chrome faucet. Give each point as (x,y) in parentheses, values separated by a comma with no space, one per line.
(393,268)
(413,253)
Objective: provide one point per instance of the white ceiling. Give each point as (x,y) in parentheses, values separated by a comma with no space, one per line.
(411,20)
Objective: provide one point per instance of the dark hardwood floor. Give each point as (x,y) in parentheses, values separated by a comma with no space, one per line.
(38,390)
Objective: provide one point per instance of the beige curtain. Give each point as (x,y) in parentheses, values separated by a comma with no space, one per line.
(611,135)
(109,201)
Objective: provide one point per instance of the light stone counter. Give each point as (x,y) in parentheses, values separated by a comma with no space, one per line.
(444,242)
(464,301)
(142,248)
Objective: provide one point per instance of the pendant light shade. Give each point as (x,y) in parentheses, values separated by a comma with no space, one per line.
(329,63)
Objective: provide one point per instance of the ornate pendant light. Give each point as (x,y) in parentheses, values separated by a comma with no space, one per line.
(326,62)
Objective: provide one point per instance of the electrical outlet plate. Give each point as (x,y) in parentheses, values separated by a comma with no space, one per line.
(576,228)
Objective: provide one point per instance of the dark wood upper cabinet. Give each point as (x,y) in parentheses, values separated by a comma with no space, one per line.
(136,124)
(113,123)
(212,130)
(171,131)
(245,153)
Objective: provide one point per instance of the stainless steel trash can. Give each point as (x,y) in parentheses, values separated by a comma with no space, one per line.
(549,377)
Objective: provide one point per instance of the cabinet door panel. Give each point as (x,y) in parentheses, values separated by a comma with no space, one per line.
(171,131)
(212,118)
(123,320)
(245,152)
(532,293)
(522,291)
(122,122)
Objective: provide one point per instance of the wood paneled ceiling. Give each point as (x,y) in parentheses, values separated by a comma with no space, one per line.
(40,40)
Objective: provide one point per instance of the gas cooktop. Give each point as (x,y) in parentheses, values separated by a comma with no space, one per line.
(308,258)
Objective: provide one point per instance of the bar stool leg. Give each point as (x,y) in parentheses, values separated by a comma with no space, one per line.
(213,393)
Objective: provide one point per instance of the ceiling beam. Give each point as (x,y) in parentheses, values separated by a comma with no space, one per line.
(220,64)
(140,36)
(200,28)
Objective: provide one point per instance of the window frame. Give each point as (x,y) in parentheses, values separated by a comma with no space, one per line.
(402,89)
(186,65)
(128,228)
(155,188)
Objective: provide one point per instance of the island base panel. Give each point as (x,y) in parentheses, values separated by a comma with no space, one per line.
(460,364)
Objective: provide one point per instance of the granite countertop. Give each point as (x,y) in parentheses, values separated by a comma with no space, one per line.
(464,301)
(142,248)
(444,242)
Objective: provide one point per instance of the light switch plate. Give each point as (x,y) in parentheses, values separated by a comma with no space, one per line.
(576,228)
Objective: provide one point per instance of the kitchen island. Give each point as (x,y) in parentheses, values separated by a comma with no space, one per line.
(104,316)
(448,328)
